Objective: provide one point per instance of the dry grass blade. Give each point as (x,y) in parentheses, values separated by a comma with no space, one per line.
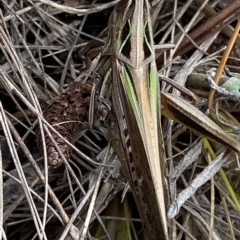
(17,163)
(79,11)
(223,61)
(2,233)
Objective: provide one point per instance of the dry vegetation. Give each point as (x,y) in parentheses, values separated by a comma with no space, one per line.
(49,51)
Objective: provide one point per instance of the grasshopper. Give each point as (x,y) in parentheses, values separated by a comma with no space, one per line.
(129,80)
